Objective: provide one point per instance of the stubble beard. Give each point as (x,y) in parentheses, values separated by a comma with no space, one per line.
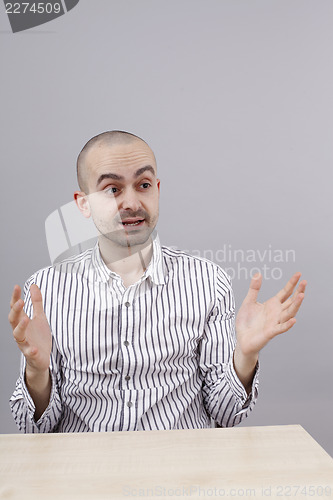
(131,238)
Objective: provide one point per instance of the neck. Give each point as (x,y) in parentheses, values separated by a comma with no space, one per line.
(126,261)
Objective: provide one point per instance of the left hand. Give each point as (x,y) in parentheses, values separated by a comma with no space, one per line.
(257,324)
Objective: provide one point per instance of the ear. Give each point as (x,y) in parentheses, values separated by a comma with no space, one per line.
(82,201)
(158,185)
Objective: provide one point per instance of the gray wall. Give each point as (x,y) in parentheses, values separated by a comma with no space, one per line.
(235,98)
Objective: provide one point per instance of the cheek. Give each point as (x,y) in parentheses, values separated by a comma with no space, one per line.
(156,204)
(103,206)
(153,209)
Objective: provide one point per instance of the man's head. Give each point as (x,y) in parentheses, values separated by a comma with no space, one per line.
(117,177)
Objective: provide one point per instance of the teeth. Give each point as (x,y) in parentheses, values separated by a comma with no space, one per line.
(132,223)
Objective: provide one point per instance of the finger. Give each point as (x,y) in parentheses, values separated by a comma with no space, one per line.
(20,332)
(293,309)
(15,313)
(283,294)
(284,327)
(16,295)
(254,288)
(36,299)
(300,289)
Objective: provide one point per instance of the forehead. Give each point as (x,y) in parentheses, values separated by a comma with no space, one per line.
(122,159)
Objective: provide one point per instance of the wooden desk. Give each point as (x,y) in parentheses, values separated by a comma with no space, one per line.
(243,462)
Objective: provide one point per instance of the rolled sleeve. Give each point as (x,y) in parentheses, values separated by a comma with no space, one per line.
(225,397)
(23,407)
(246,400)
(21,403)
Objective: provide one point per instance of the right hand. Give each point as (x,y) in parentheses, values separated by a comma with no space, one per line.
(33,336)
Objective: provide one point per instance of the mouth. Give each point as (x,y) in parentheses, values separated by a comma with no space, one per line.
(134,222)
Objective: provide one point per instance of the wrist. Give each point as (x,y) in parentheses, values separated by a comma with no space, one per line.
(245,365)
(39,385)
(246,361)
(35,377)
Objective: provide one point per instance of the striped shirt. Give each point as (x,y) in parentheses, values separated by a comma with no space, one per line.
(155,355)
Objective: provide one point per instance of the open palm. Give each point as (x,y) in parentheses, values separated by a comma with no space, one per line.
(33,336)
(257,324)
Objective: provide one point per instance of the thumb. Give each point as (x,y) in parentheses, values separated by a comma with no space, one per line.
(36,299)
(255,285)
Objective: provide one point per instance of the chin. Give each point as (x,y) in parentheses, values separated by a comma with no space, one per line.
(128,240)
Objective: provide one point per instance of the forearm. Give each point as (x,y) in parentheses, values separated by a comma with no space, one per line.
(39,387)
(245,366)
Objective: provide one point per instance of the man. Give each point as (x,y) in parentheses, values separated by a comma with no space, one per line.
(130,335)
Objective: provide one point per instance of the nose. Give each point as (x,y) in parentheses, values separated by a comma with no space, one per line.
(130,200)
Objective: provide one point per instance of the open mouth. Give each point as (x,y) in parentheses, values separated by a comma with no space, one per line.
(133,222)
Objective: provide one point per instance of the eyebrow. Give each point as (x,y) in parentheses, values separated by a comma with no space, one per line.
(121,178)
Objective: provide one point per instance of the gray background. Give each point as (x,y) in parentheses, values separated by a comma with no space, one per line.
(235,98)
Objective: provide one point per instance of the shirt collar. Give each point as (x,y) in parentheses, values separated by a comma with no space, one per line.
(155,269)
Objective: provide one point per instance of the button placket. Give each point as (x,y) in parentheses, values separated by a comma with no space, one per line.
(126,322)
(127,326)
(115,284)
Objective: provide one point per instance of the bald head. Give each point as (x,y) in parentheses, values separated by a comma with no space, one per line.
(105,139)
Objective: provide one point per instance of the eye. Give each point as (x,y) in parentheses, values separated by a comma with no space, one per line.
(111,190)
(145,185)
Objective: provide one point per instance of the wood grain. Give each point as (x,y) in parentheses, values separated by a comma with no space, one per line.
(256,462)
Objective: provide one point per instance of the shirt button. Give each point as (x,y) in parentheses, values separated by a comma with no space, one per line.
(129,404)
(127,304)
(126,343)
(127,377)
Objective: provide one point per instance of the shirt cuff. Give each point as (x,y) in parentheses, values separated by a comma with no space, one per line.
(238,389)
(30,403)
